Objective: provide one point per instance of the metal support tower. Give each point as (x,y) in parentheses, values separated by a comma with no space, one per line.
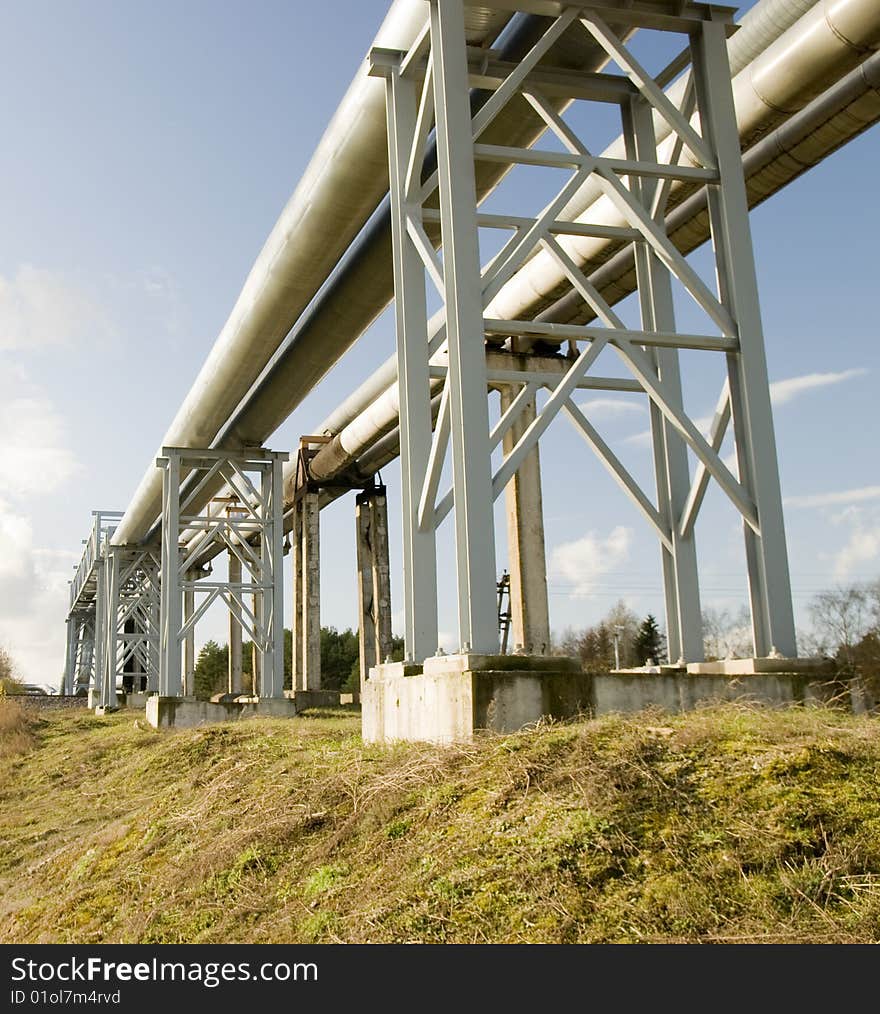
(86,630)
(130,617)
(253,536)
(79,667)
(428,86)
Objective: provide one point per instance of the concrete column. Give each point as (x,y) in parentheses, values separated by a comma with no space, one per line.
(381,578)
(311,593)
(374,584)
(297,680)
(234,682)
(366,622)
(530,619)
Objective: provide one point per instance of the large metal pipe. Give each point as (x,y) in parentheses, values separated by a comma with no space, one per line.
(339,190)
(837,116)
(759,27)
(355,142)
(346,312)
(781,70)
(822,46)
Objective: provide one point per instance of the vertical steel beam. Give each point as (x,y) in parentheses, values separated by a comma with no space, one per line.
(100,638)
(257,652)
(234,670)
(170,609)
(469,412)
(272,606)
(525,539)
(111,657)
(74,627)
(419,546)
(189,642)
(766,553)
(684,631)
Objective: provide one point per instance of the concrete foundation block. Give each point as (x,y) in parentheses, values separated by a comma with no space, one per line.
(93,698)
(137,700)
(764,666)
(628,692)
(187,712)
(100,711)
(447,705)
(320,698)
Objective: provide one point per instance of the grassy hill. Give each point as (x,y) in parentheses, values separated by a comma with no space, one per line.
(726,824)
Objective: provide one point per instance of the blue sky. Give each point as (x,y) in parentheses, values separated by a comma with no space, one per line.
(148,150)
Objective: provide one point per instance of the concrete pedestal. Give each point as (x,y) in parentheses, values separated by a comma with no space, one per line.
(771,681)
(135,700)
(93,698)
(449,698)
(187,712)
(320,698)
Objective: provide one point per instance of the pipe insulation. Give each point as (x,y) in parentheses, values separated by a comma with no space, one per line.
(341,187)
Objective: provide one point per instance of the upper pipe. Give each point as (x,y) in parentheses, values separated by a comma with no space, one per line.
(343,183)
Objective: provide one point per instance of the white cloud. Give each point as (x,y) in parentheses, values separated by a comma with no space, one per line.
(783,391)
(34,452)
(641,439)
(33,599)
(582,562)
(41,308)
(843,496)
(862,547)
(610,408)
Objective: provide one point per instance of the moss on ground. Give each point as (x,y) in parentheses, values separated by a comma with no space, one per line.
(726,824)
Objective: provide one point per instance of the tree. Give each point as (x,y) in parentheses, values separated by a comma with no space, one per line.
(726,634)
(594,646)
(842,618)
(353,684)
(340,651)
(211,671)
(847,628)
(8,675)
(648,643)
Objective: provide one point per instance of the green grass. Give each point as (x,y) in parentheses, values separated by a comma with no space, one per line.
(725,824)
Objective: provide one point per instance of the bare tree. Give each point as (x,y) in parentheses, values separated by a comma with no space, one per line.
(841,618)
(726,634)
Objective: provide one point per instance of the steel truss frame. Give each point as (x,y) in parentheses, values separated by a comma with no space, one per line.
(130,617)
(252,535)
(79,671)
(429,86)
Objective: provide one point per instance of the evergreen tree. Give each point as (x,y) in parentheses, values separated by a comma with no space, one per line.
(212,670)
(648,642)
